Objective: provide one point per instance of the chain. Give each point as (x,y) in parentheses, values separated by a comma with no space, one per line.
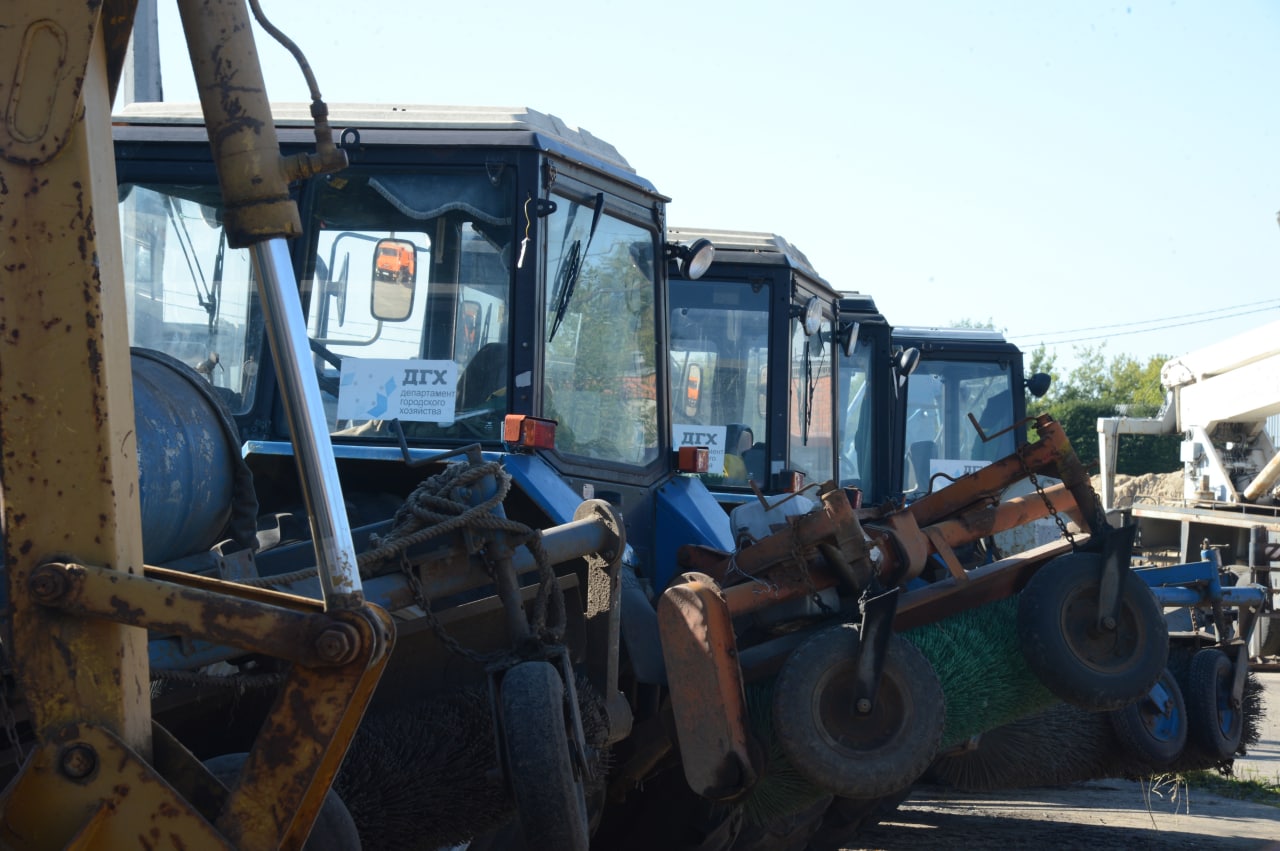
(452,644)
(1048,503)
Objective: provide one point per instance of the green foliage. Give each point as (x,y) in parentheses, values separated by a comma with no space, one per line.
(1257,789)
(1098,387)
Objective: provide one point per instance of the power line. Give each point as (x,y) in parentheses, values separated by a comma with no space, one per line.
(1199,321)
(1206,315)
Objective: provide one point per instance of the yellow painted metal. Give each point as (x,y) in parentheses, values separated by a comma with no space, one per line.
(69,473)
(301,745)
(87,769)
(273,623)
(69,464)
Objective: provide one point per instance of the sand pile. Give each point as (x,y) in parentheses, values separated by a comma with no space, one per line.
(1153,488)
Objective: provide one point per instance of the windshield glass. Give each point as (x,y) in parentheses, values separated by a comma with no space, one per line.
(857,460)
(408,294)
(600,368)
(187,293)
(719,376)
(811,438)
(941,442)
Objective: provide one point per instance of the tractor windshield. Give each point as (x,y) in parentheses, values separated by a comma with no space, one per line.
(719,374)
(941,442)
(600,363)
(408,291)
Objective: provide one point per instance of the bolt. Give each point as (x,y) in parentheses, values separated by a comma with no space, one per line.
(337,644)
(864,705)
(48,583)
(1109,623)
(79,761)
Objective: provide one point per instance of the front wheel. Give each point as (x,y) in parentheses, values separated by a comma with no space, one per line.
(852,754)
(1087,665)
(547,790)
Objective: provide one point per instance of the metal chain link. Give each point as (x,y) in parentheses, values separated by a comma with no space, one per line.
(1048,503)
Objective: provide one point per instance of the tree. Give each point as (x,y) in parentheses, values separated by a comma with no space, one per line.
(1098,387)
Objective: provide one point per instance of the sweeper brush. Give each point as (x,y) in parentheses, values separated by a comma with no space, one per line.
(428,777)
(985,679)
(1066,744)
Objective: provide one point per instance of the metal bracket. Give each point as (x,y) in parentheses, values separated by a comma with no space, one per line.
(873,644)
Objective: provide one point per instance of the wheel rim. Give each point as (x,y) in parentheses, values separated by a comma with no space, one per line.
(847,729)
(1102,650)
(1229,717)
(1159,714)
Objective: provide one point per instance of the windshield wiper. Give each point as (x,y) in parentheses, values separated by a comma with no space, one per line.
(571,267)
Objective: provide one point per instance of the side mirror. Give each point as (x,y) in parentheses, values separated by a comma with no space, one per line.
(1038,384)
(848,338)
(395,278)
(692,389)
(906,361)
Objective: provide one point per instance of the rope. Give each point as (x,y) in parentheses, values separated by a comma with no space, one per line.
(428,514)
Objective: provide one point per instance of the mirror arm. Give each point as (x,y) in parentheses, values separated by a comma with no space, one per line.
(326,341)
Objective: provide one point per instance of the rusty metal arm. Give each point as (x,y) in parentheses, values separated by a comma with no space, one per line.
(290,632)
(1050,455)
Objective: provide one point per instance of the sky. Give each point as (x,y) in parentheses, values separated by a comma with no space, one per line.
(1077,174)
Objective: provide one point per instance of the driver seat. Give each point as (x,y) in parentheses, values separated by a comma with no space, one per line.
(484,376)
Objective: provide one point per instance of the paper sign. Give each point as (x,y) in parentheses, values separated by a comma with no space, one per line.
(422,391)
(709,436)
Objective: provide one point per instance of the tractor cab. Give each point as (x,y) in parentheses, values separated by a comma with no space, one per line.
(963,403)
(754,350)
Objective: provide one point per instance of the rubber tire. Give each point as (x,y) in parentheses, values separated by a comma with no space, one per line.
(1154,727)
(550,799)
(1057,612)
(1212,723)
(867,757)
(334,829)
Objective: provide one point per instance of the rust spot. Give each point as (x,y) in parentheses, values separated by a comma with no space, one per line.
(25,547)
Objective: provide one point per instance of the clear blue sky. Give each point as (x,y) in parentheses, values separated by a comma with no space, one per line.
(1046,166)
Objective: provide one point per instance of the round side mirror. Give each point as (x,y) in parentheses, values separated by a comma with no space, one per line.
(1038,384)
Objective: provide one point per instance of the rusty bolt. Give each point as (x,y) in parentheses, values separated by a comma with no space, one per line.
(864,705)
(79,761)
(48,583)
(337,644)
